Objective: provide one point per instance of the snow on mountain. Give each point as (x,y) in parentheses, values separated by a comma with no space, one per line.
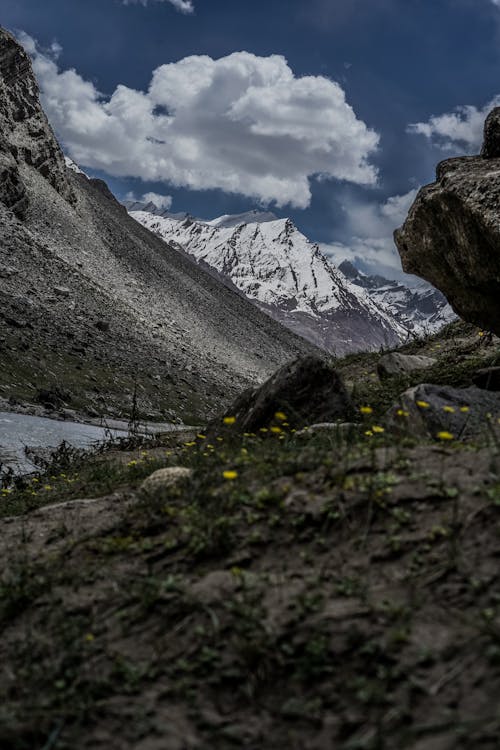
(234,220)
(280,270)
(74,166)
(422,309)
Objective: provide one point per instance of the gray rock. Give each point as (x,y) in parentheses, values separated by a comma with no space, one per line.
(306,390)
(215,586)
(7,271)
(25,134)
(491,143)
(395,364)
(452,234)
(165,479)
(102,325)
(337,429)
(62,291)
(426,410)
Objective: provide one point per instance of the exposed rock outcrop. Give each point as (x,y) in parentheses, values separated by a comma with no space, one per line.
(25,134)
(452,234)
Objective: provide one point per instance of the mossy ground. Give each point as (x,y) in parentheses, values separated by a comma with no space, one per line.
(337,593)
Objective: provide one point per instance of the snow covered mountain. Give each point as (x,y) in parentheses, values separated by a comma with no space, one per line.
(422,309)
(282,272)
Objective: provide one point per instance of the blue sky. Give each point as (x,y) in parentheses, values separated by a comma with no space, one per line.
(338,112)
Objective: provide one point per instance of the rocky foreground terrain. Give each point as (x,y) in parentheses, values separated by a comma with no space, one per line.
(280,587)
(93,307)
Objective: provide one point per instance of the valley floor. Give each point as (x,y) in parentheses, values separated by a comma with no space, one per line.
(302,591)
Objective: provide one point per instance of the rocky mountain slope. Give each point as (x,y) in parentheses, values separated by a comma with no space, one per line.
(421,309)
(275,266)
(91,302)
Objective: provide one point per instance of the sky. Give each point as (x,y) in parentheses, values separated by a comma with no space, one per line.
(331,112)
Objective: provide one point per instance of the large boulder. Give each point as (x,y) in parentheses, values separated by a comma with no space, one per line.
(306,391)
(428,410)
(452,234)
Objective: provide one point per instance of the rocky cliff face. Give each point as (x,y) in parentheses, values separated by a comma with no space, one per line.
(452,234)
(26,137)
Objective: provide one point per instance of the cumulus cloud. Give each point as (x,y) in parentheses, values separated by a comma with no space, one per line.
(244,124)
(461,129)
(370,227)
(163,202)
(184,6)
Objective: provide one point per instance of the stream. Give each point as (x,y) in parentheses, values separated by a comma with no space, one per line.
(20,430)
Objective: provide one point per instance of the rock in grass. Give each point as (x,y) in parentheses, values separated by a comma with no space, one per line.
(339,430)
(396,364)
(427,410)
(452,234)
(165,479)
(306,391)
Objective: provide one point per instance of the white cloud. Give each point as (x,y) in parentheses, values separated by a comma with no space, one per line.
(244,124)
(185,6)
(163,202)
(461,129)
(370,228)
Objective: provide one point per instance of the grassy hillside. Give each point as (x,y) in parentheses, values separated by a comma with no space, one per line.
(302,591)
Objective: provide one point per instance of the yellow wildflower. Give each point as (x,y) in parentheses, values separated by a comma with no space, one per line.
(369,433)
(229,420)
(264,429)
(201,437)
(219,439)
(449,409)
(402,413)
(464,409)
(230,475)
(276,430)
(280,416)
(366,410)
(444,435)
(132,463)
(423,404)
(377,429)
